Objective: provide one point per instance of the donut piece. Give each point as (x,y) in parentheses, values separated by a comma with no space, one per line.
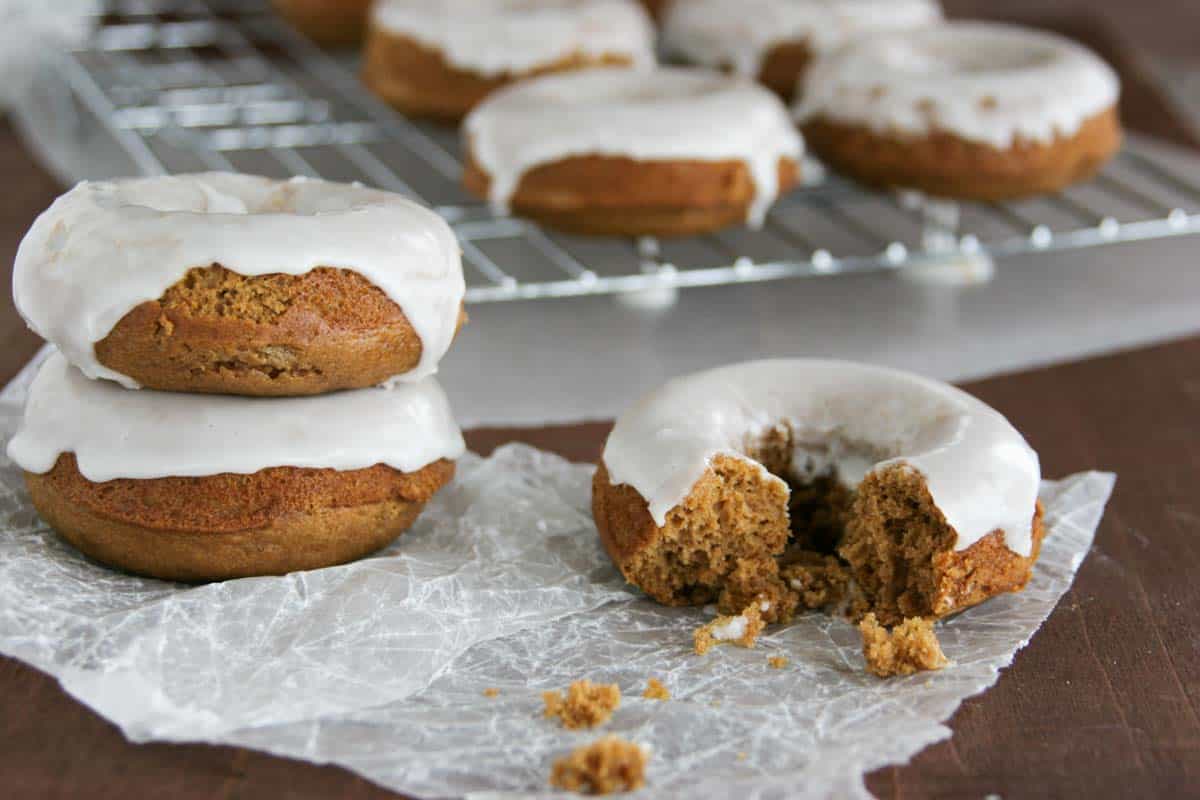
(441,59)
(627,153)
(332,23)
(776,40)
(932,493)
(235,284)
(201,487)
(968,110)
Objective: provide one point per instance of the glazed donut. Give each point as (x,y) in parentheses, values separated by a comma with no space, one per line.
(237,284)
(333,23)
(623,152)
(441,59)
(937,492)
(968,110)
(775,40)
(202,487)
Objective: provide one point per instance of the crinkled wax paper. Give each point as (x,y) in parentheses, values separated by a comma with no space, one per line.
(380,666)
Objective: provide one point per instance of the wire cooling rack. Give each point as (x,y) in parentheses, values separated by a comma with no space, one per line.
(182,85)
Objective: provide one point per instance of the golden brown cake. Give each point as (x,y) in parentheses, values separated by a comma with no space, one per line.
(910,647)
(218,527)
(774,518)
(616,196)
(945,165)
(655,690)
(441,60)
(585,705)
(333,23)
(607,765)
(969,110)
(741,629)
(268,335)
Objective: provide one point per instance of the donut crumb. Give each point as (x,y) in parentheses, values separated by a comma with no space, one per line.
(777,662)
(491,691)
(910,647)
(585,705)
(607,765)
(741,630)
(655,690)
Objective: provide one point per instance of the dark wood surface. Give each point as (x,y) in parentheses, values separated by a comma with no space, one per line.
(1104,702)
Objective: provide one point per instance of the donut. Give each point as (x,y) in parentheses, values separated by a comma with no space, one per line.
(440,60)
(776,40)
(333,23)
(236,284)
(934,493)
(622,152)
(196,487)
(968,110)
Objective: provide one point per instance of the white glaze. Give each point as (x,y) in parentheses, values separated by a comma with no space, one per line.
(665,114)
(980,472)
(984,82)
(103,248)
(510,37)
(115,433)
(738,34)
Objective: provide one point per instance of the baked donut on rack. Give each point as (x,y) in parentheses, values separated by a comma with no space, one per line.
(621,152)
(928,496)
(202,487)
(236,284)
(967,110)
(441,59)
(333,23)
(776,40)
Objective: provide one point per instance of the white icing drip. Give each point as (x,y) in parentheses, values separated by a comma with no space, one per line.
(984,82)
(510,37)
(116,433)
(666,114)
(979,470)
(739,33)
(103,248)
(732,630)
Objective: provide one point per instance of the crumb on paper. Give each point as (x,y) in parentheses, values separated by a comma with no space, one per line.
(586,704)
(607,765)
(743,755)
(656,691)
(777,662)
(741,630)
(910,647)
(491,691)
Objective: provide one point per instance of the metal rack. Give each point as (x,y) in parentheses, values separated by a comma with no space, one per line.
(183,85)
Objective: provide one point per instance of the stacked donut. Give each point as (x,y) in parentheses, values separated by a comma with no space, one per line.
(214,408)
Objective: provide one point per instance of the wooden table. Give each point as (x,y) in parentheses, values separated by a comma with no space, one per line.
(1105,701)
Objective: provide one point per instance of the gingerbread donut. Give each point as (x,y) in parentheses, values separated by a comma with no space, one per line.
(623,152)
(333,23)
(237,284)
(203,487)
(967,110)
(927,496)
(776,40)
(441,59)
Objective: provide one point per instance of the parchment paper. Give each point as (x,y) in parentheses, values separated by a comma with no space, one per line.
(380,666)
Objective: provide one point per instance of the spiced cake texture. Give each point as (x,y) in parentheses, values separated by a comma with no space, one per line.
(216,331)
(621,196)
(741,629)
(732,539)
(946,165)
(333,23)
(585,704)
(909,647)
(224,526)
(655,690)
(607,765)
(418,80)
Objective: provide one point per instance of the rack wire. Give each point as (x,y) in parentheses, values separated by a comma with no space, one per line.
(182,85)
